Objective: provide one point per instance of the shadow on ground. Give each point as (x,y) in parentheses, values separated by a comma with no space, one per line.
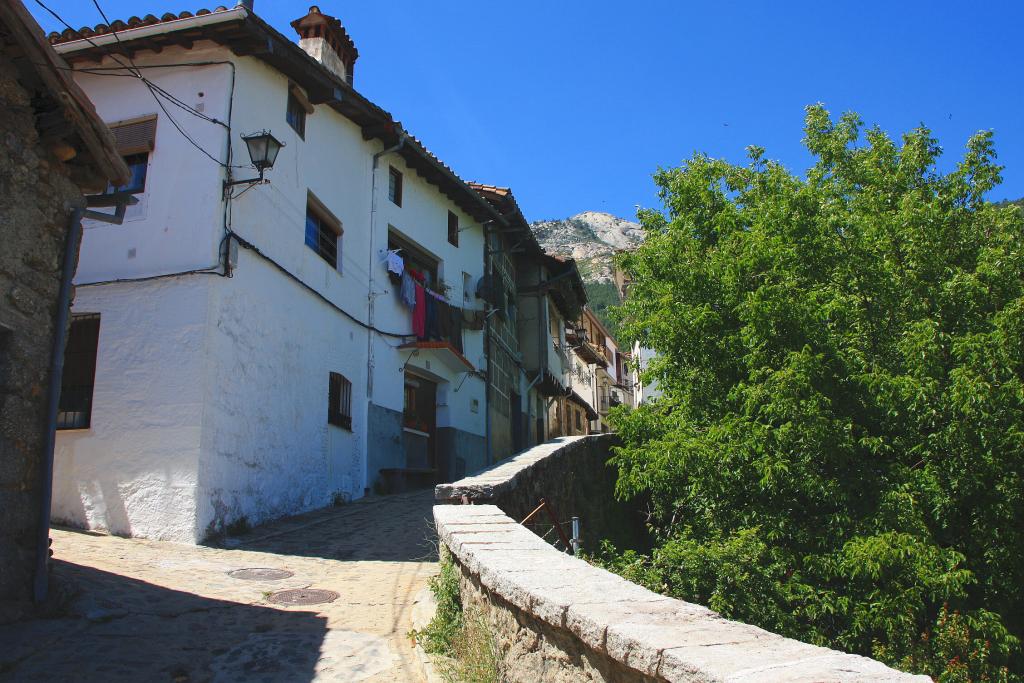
(395,528)
(122,629)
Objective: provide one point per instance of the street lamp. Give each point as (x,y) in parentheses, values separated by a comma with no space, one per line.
(263,149)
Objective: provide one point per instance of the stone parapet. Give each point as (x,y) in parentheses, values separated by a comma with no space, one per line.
(557,618)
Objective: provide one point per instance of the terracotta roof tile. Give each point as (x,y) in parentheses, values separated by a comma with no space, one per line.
(68,35)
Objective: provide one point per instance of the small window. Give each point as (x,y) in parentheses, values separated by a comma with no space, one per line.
(76,386)
(339,402)
(453,229)
(579,418)
(323,233)
(395,186)
(467,288)
(138,165)
(295,114)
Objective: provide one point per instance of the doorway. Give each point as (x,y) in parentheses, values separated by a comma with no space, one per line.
(419,423)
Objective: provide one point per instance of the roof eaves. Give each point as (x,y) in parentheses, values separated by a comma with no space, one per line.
(268,44)
(77,108)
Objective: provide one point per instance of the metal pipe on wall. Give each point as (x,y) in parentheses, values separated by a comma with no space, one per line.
(41,578)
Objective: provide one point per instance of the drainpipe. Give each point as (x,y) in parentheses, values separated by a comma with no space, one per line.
(53,400)
(489,278)
(371,295)
(120,201)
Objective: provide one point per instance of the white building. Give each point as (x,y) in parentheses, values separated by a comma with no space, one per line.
(251,355)
(643,390)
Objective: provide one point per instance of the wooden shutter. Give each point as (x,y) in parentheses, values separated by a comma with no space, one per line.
(136,136)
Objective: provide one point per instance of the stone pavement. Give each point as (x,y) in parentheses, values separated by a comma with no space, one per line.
(156,611)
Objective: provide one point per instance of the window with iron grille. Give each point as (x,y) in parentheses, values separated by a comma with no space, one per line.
(395,185)
(323,233)
(453,229)
(339,402)
(75,408)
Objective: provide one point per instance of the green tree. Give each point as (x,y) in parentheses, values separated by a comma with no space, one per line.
(839,452)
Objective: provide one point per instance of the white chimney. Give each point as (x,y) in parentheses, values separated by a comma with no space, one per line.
(325,40)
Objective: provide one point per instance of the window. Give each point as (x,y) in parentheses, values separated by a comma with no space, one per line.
(295,114)
(138,164)
(467,288)
(579,418)
(339,402)
(453,229)
(395,186)
(415,257)
(75,408)
(323,233)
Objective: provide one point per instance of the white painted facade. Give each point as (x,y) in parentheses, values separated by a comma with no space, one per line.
(210,396)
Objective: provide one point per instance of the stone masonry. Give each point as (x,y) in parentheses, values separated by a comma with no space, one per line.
(35,192)
(560,619)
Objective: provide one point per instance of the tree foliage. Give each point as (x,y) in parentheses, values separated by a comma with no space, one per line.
(839,452)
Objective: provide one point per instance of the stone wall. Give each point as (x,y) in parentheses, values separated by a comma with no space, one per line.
(34,196)
(572,473)
(557,618)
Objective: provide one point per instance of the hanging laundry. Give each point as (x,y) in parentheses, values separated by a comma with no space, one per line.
(432,330)
(408,291)
(396,264)
(444,320)
(455,335)
(419,314)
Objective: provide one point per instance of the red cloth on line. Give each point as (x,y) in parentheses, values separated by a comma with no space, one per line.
(419,313)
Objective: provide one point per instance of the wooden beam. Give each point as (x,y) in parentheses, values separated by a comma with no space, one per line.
(325,96)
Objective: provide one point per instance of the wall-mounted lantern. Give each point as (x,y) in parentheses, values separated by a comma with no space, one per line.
(263,149)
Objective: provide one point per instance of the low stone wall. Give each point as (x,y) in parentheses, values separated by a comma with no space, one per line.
(561,619)
(572,473)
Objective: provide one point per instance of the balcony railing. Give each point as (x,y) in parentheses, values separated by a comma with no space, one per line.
(560,353)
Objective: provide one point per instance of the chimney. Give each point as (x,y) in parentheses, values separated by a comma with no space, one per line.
(325,40)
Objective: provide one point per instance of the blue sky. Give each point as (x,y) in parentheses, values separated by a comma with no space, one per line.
(575,104)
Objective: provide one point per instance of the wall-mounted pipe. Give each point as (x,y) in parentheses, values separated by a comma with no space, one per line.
(372,262)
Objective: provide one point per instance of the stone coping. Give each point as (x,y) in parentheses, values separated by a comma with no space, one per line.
(660,637)
(503,476)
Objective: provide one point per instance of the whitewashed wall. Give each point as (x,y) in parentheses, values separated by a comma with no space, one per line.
(211,393)
(134,471)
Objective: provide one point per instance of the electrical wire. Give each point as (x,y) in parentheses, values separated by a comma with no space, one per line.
(155,91)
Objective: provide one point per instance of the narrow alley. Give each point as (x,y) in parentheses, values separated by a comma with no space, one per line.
(251,610)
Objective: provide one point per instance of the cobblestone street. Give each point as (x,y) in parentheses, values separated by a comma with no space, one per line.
(152,611)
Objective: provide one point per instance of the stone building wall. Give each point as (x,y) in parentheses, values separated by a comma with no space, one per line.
(35,193)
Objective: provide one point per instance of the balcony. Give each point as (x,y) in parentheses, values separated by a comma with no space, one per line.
(444,352)
(574,336)
(590,354)
(562,357)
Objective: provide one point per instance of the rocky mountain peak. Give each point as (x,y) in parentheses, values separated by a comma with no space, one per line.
(591,237)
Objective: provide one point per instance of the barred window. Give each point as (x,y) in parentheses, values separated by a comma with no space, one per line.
(339,402)
(76,387)
(323,233)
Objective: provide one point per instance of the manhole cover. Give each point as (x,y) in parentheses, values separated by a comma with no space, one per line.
(303,596)
(261,574)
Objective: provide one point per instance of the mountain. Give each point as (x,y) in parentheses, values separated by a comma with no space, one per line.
(592,238)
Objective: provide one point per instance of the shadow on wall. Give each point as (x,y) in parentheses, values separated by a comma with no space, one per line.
(121,629)
(394,528)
